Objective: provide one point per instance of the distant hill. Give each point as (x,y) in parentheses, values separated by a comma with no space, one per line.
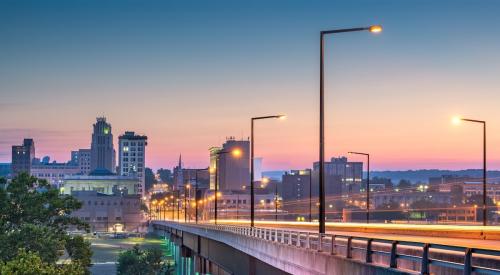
(411,175)
(424,175)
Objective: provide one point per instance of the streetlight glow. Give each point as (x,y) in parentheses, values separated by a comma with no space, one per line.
(236,153)
(456,120)
(375,29)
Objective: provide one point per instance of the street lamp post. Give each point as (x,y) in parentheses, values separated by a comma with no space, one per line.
(252,190)
(275,201)
(310,195)
(457,120)
(177,204)
(367,183)
(322,217)
(186,190)
(196,192)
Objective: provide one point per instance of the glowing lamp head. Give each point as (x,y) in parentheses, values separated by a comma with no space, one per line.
(236,153)
(265,180)
(456,120)
(375,28)
(282,117)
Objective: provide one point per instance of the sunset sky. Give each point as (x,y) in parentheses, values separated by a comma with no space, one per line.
(190,73)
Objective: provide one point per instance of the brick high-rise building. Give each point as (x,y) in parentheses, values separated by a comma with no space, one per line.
(22,156)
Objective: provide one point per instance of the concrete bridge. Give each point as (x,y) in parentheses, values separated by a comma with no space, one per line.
(239,249)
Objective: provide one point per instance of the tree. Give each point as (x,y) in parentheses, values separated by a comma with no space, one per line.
(404,184)
(165,175)
(35,218)
(79,250)
(29,263)
(426,209)
(140,262)
(149,178)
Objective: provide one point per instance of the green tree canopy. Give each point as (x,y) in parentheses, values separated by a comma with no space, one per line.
(29,263)
(140,262)
(35,218)
(149,178)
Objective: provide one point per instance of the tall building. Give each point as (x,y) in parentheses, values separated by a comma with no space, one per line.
(296,185)
(102,151)
(233,171)
(132,157)
(22,156)
(349,173)
(84,161)
(213,164)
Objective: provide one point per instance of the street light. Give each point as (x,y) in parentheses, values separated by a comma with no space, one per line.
(373,29)
(236,153)
(196,192)
(367,183)
(186,190)
(252,191)
(457,120)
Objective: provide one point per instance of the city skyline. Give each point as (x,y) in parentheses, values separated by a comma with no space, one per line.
(392,94)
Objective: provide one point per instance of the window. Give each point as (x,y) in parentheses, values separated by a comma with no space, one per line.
(118,218)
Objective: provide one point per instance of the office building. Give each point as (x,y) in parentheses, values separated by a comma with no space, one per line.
(296,185)
(84,156)
(233,171)
(54,173)
(22,157)
(102,155)
(102,181)
(108,213)
(347,174)
(132,157)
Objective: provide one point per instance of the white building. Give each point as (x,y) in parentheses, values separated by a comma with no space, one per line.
(132,157)
(54,173)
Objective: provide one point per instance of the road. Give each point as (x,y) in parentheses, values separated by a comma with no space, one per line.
(467,236)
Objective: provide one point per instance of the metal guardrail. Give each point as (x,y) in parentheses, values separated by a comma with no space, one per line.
(332,244)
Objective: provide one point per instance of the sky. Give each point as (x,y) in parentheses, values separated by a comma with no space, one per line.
(188,74)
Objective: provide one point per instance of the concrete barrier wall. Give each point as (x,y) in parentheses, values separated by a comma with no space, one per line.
(291,259)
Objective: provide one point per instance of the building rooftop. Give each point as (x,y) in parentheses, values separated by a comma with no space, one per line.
(101,172)
(132,136)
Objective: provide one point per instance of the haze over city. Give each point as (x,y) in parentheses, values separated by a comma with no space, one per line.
(188,75)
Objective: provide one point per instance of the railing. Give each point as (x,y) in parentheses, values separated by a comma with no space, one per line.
(368,248)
